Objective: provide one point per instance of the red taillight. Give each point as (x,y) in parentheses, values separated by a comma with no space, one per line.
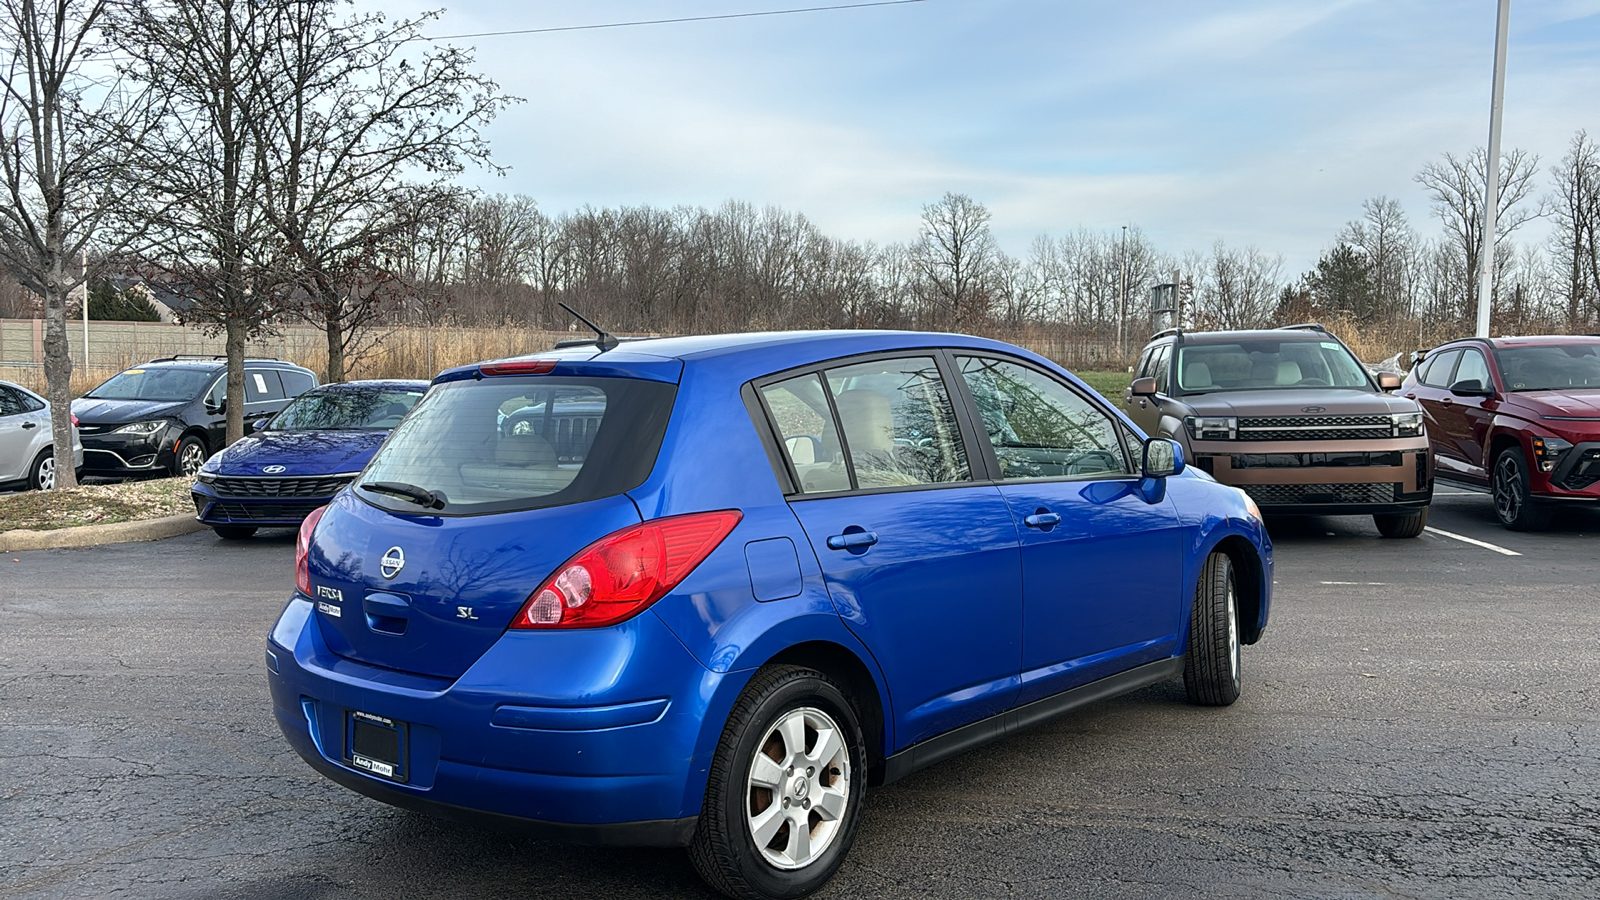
(619,575)
(302,546)
(518,367)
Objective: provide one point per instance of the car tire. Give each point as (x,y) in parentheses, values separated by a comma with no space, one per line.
(189,457)
(755,781)
(1211,666)
(42,474)
(1514,506)
(234,532)
(1401,525)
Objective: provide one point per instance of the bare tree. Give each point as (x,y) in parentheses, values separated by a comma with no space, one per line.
(205,59)
(357,106)
(1456,186)
(1236,288)
(1576,207)
(1386,239)
(61,127)
(956,256)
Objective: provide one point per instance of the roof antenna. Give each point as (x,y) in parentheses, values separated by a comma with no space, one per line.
(602,340)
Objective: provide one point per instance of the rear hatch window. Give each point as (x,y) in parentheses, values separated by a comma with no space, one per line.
(501,443)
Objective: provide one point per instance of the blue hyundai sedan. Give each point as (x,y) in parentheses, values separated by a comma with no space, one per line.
(297,460)
(705,591)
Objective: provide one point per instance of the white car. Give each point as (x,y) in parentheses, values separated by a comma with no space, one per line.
(27,457)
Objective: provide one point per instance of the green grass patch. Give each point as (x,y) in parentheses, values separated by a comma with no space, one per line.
(96,504)
(1109,384)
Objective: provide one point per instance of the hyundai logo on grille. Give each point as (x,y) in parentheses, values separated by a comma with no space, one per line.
(1313,409)
(274,470)
(393,561)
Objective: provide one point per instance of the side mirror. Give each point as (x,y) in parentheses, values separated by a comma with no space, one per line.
(802,449)
(1470,387)
(1143,387)
(251,426)
(1163,457)
(1388,381)
(216,409)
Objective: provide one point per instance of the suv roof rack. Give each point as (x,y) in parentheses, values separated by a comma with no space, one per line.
(181,357)
(1165,332)
(1303,326)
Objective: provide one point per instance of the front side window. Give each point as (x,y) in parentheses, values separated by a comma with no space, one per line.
(154,383)
(1472,368)
(508,443)
(1039,427)
(1160,367)
(347,408)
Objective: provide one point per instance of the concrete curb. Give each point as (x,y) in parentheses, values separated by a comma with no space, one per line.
(95,535)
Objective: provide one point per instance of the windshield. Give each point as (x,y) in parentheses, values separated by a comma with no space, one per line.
(1558,368)
(347,408)
(1268,364)
(508,443)
(155,383)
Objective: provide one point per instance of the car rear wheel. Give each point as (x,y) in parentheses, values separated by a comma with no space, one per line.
(1513,503)
(190,457)
(1407,525)
(234,532)
(786,787)
(1211,667)
(42,474)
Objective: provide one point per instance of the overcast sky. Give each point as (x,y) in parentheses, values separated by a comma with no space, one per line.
(1257,122)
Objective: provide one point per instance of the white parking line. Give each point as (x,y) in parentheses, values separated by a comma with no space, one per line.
(1473,541)
(1360,583)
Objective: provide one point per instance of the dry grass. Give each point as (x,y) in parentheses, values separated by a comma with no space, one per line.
(96,504)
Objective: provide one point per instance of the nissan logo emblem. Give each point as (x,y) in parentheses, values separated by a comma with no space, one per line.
(274,470)
(393,561)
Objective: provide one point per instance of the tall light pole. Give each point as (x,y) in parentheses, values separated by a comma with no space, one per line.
(1491,165)
(1122,302)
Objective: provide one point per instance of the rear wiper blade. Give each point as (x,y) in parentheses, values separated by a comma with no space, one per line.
(417,495)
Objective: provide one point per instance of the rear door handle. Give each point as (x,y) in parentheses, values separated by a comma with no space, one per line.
(1411,396)
(27,425)
(855,540)
(1042,519)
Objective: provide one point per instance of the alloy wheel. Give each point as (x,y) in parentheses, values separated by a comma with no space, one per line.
(798,788)
(1508,497)
(47,474)
(1233,634)
(191,458)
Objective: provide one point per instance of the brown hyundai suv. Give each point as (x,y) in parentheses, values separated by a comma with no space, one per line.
(1289,415)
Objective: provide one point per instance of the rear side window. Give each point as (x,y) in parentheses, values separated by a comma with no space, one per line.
(262,386)
(508,443)
(11,402)
(296,383)
(1440,368)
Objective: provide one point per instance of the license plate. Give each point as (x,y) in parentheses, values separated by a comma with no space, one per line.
(376,745)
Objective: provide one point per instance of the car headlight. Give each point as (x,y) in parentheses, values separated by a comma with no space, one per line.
(1212,428)
(142,427)
(1407,424)
(1547,451)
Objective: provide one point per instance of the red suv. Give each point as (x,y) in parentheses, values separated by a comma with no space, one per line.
(1520,415)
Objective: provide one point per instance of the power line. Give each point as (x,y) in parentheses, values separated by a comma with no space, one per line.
(747,15)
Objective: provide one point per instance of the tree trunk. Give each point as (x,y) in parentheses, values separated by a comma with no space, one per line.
(58,374)
(235,348)
(335,371)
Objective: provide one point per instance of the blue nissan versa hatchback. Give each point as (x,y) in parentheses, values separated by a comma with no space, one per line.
(295,461)
(704,591)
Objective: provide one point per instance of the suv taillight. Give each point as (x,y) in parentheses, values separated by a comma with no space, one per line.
(302,547)
(624,572)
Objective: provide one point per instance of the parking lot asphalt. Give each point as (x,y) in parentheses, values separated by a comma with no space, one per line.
(1421,719)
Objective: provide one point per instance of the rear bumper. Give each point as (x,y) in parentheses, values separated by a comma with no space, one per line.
(599,753)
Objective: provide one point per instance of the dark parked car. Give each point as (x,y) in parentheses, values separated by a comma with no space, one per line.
(1519,415)
(703,591)
(297,460)
(1290,416)
(168,415)
(27,449)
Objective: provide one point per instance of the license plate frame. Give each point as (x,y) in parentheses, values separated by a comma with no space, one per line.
(377,745)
